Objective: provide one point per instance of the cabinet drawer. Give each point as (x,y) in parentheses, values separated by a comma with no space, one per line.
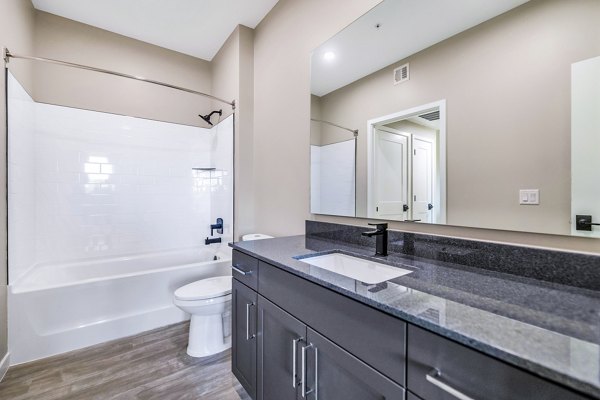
(438,366)
(245,269)
(374,337)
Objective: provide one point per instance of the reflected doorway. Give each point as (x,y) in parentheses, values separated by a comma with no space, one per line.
(407,166)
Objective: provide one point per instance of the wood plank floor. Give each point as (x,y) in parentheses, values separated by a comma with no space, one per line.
(151,365)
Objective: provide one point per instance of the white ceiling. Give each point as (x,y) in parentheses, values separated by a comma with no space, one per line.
(407,27)
(195,27)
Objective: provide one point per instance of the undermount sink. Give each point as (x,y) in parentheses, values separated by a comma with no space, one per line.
(367,271)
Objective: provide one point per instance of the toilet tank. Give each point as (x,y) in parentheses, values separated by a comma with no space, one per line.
(255,236)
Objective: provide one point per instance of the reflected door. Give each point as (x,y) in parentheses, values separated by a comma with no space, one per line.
(422,181)
(585,143)
(391,175)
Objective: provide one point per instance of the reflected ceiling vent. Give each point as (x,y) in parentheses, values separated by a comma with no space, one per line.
(431,116)
(401,74)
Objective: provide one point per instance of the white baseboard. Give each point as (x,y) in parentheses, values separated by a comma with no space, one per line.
(4,364)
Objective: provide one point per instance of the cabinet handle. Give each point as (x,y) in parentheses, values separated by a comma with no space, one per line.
(316,374)
(239,271)
(248,337)
(295,360)
(304,392)
(434,376)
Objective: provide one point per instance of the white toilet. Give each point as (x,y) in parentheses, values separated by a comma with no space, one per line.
(209,303)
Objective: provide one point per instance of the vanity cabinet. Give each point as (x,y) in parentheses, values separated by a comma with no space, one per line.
(440,369)
(243,362)
(294,362)
(376,338)
(296,340)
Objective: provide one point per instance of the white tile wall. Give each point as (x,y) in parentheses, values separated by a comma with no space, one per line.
(333,175)
(88,184)
(222,184)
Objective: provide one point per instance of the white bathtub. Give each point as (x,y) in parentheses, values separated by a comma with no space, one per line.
(56,308)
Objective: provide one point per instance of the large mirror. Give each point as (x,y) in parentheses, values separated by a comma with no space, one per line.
(469,113)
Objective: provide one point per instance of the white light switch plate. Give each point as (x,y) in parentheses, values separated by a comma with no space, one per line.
(529,196)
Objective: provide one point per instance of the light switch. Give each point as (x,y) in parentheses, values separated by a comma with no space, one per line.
(529,196)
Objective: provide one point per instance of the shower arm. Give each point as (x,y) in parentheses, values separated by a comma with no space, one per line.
(7,55)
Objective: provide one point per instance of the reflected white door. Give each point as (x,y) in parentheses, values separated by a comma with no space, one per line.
(422,182)
(391,175)
(585,143)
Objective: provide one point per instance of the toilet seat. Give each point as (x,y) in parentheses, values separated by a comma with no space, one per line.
(205,289)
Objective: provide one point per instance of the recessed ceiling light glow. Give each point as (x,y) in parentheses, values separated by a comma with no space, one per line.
(329,56)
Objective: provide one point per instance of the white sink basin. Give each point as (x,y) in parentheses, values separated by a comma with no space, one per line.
(367,271)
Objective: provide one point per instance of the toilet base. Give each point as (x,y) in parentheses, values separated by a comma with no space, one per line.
(207,335)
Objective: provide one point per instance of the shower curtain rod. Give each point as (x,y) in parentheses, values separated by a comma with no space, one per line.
(354,131)
(8,55)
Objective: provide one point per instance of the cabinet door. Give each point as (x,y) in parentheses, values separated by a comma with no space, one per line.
(331,373)
(243,364)
(279,338)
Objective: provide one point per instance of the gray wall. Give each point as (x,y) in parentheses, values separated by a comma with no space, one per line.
(64,39)
(232,78)
(283,42)
(507,86)
(16,33)
(282,45)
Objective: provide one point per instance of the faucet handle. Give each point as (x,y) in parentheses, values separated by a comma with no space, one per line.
(379,225)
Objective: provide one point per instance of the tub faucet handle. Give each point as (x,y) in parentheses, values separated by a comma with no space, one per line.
(218,226)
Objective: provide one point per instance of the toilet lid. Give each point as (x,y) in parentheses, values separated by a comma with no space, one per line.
(205,289)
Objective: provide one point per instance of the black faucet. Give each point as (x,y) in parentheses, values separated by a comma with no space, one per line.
(381,234)
(219,228)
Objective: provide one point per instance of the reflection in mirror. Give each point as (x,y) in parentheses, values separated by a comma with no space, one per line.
(406,165)
(520,83)
(332,170)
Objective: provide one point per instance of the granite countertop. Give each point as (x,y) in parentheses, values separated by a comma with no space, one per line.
(549,329)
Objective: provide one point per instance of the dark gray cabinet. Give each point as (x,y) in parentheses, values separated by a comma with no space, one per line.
(245,269)
(332,373)
(440,369)
(296,340)
(295,362)
(410,396)
(280,337)
(373,336)
(243,364)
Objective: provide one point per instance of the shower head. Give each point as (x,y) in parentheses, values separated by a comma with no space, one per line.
(207,117)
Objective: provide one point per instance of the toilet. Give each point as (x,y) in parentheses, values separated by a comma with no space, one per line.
(208,301)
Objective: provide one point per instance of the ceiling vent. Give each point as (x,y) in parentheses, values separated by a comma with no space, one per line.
(401,74)
(431,116)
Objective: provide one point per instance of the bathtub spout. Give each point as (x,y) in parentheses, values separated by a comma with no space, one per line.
(211,241)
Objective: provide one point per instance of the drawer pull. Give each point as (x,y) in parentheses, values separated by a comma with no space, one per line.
(239,271)
(295,360)
(434,378)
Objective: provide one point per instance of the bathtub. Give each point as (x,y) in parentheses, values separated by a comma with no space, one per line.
(56,308)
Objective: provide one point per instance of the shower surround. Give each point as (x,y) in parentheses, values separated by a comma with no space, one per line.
(95,199)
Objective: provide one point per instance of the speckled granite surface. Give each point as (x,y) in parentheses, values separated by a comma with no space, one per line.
(547,328)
